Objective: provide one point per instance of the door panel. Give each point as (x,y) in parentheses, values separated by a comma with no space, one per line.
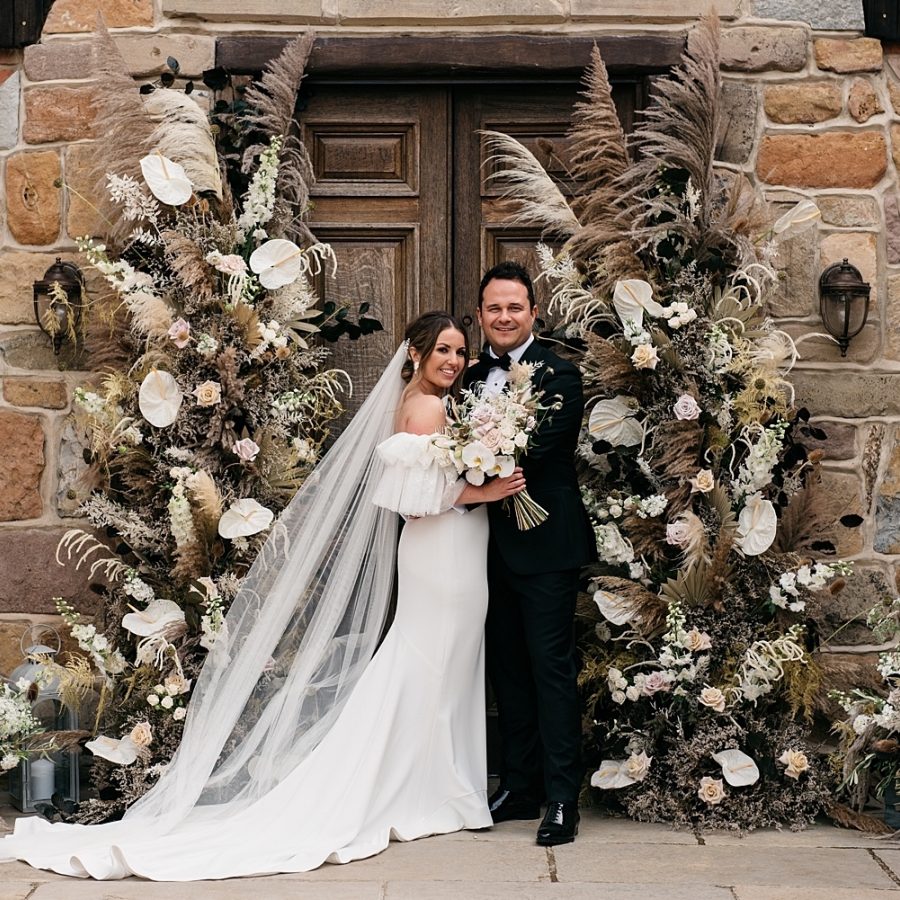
(380,156)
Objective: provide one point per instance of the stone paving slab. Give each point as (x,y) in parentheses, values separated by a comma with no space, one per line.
(426,890)
(818,835)
(755,892)
(811,867)
(891,858)
(235,889)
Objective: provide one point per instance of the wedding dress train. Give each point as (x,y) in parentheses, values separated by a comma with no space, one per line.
(404,758)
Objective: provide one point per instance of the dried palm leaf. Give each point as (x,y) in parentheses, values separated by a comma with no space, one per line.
(808,518)
(187,261)
(605,368)
(690,587)
(273,100)
(847,818)
(182,133)
(647,536)
(522,178)
(56,741)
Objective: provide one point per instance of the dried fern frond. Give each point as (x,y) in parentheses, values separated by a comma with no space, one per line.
(809,517)
(647,536)
(676,457)
(182,133)
(81,543)
(522,178)
(605,368)
(847,818)
(187,261)
(56,741)
(273,100)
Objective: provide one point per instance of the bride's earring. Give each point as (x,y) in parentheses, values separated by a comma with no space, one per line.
(415,365)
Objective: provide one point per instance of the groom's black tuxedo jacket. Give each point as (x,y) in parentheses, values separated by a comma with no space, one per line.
(565,540)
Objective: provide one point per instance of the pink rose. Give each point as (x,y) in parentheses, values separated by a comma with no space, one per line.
(180,333)
(677,533)
(655,682)
(686,408)
(492,439)
(245,449)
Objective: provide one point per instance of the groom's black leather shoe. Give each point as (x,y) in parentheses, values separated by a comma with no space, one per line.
(507,805)
(560,824)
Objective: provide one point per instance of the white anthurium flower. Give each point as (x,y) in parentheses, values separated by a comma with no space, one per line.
(123,751)
(166,179)
(632,297)
(738,769)
(613,421)
(277,262)
(614,608)
(243,518)
(159,615)
(159,398)
(797,219)
(611,775)
(757,524)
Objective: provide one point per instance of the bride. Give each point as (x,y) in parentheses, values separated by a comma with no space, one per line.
(302,745)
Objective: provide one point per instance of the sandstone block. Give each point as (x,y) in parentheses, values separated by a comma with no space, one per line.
(29,392)
(9,111)
(22,439)
(840,441)
(895,96)
(58,114)
(756,48)
(298,11)
(892,227)
(845,490)
(81,15)
(836,159)
(32,197)
(821,16)
(863,348)
(58,60)
(437,11)
(82,217)
(804,101)
(863,590)
(847,394)
(892,319)
(146,54)
(855,55)
(795,292)
(652,10)
(72,488)
(30,576)
(739,105)
(848,212)
(861,249)
(862,101)
(30,350)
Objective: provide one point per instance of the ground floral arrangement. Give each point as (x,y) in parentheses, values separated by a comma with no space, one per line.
(697,632)
(212,409)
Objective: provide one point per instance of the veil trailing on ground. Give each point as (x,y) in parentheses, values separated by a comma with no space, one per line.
(298,635)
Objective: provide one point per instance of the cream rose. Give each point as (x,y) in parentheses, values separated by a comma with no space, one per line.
(492,439)
(703,482)
(141,735)
(711,791)
(655,682)
(208,394)
(637,766)
(713,698)
(177,684)
(179,713)
(645,356)
(695,641)
(686,408)
(795,761)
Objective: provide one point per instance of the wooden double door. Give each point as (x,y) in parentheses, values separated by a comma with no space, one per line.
(403,194)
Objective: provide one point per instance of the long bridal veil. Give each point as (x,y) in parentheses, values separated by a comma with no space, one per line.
(298,635)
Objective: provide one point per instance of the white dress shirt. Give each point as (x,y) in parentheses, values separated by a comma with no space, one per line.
(497,377)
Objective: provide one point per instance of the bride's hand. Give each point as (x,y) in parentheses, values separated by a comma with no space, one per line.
(501,488)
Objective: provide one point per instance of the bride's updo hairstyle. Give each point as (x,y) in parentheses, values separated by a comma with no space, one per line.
(423,334)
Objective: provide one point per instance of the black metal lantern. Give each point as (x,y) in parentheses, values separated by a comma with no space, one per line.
(39,776)
(843,302)
(882,19)
(58,300)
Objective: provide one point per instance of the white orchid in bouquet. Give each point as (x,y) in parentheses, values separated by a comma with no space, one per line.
(216,403)
(487,433)
(711,536)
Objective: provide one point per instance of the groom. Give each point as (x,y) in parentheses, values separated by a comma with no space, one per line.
(533,576)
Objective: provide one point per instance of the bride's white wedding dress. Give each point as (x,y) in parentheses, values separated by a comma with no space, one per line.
(405,757)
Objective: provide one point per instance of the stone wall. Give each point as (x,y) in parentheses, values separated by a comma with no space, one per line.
(813,110)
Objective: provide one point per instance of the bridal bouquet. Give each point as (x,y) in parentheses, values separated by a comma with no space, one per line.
(488,433)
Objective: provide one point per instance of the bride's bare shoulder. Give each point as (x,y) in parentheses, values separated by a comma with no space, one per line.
(421,414)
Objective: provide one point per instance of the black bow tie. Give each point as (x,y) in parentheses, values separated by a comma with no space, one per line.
(494,362)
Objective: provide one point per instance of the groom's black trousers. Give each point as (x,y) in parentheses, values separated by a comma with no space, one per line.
(533,670)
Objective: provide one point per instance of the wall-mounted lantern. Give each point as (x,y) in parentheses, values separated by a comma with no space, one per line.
(58,302)
(843,302)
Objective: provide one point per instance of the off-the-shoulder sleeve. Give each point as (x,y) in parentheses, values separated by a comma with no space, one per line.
(413,482)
